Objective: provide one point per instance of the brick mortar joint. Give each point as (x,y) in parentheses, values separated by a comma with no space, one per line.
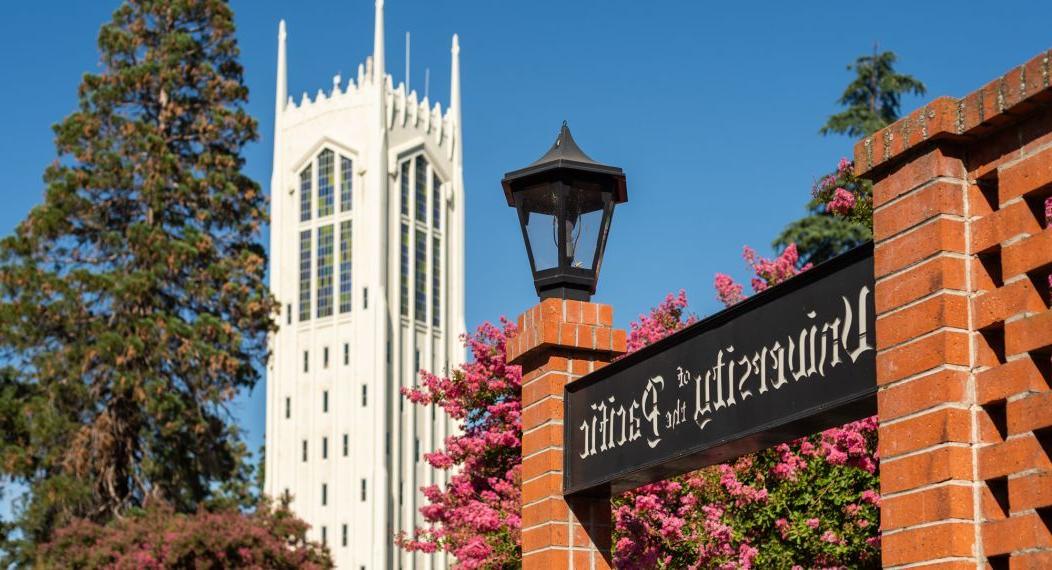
(941,216)
(939,179)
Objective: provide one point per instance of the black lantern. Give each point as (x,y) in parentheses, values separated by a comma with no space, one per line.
(565,202)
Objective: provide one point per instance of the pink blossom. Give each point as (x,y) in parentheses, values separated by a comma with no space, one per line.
(782,526)
(770,272)
(475,516)
(663,320)
(843,202)
(728,291)
(813,523)
(843,165)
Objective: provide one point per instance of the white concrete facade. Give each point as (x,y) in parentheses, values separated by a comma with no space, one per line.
(367,261)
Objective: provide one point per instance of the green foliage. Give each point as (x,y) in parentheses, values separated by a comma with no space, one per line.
(873,101)
(840,217)
(156,537)
(873,98)
(820,237)
(133,305)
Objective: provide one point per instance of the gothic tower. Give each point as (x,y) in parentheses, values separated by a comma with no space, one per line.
(367,261)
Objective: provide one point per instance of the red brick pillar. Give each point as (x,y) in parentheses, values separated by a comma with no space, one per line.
(964,330)
(558,342)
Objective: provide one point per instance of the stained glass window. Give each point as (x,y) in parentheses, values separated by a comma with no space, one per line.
(326,182)
(420,283)
(436,202)
(346,184)
(305,275)
(404,181)
(325,271)
(421,189)
(305,193)
(345,266)
(436,282)
(404,281)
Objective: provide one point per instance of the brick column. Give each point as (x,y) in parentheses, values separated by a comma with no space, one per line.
(964,331)
(558,342)
(926,404)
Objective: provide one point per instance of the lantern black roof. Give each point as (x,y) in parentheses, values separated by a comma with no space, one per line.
(565,155)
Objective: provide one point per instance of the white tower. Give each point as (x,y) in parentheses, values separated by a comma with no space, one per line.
(367,261)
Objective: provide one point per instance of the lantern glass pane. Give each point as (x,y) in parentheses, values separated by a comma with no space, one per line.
(542,230)
(582,237)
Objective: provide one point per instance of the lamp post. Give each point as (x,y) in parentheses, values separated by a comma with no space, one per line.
(565,202)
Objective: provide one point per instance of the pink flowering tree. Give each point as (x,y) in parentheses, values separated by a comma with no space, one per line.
(156,537)
(846,195)
(809,503)
(476,515)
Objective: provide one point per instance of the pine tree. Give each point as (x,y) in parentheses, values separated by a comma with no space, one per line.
(873,99)
(133,306)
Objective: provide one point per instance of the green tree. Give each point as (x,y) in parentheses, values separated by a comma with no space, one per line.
(819,236)
(133,306)
(873,99)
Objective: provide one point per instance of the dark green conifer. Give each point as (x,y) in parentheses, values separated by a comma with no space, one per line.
(133,306)
(873,100)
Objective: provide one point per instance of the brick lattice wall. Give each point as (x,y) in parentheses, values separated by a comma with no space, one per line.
(963,259)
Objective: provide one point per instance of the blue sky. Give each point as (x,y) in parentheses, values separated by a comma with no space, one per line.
(712,109)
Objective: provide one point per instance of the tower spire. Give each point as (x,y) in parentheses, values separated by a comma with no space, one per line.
(379,72)
(454,94)
(280,96)
(281,87)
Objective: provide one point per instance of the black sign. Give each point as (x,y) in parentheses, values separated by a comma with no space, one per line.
(787,362)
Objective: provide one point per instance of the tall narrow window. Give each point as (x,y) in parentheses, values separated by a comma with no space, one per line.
(288,314)
(365,395)
(420,295)
(363,489)
(346,184)
(305,193)
(436,201)
(325,401)
(436,281)
(346,354)
(326,182)
(325,271)
(345,266)
(305,275)
(343,535)
(304,450)
(421,189)
(324,536)
(324,495)
(325,357)
(306,361)
(324,448)
(405,271)
(288,408)
(346,445)
(404,183)
(365,297)
(416,448)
